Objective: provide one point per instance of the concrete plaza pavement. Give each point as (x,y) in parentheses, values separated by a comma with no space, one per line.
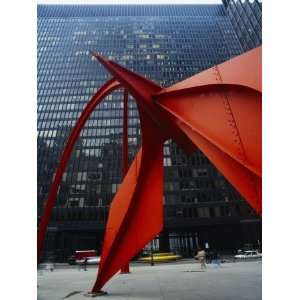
(169,281)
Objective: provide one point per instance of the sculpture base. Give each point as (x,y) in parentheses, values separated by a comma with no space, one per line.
(96,294)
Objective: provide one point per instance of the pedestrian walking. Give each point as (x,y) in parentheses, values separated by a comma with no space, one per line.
(85,263)
(216,259)
(201,257)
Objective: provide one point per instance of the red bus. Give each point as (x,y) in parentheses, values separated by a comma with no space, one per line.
(82,254)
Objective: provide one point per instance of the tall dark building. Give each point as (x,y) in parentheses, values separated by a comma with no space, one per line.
(246,16)
(166,43)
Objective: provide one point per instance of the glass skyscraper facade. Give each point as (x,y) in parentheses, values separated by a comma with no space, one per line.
(166,43)
(246,18)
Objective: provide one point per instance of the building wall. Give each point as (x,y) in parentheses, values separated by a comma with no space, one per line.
(165,43)
(246,18)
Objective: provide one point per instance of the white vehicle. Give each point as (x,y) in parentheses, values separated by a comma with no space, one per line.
(92,260)
(248,254)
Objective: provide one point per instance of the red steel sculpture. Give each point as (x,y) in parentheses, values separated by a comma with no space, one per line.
(217,111)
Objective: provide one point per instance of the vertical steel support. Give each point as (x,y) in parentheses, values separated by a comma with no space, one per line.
(125,268)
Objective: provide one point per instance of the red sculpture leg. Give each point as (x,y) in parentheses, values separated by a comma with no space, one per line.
(136,212)
(107,88)
(125,268)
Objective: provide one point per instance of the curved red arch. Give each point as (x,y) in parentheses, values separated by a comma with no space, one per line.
(107,88)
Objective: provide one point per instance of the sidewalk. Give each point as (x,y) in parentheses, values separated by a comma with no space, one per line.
(184,281)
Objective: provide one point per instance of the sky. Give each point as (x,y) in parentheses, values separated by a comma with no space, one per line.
(128,1)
